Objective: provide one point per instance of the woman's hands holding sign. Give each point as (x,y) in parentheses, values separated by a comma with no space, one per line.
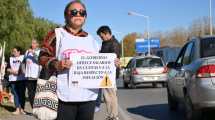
(66,63)
(63,64)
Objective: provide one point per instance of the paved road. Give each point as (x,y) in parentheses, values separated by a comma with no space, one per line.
(147,104)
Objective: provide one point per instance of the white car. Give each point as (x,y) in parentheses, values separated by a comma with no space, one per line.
(145,69)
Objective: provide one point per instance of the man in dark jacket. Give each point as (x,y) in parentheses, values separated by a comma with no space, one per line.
(110,45)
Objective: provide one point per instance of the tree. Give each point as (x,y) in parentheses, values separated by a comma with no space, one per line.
(41,27)
(200,27)
(129,44)
(161,36)
(18,26)
(16,19)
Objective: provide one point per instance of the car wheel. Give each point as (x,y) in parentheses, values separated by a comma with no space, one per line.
(132,85)
(125,85)
(191,113)
(173,104)
(154,85)
(164,84)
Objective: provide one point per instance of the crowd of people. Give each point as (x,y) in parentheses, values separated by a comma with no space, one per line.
(53,58)
(23,70)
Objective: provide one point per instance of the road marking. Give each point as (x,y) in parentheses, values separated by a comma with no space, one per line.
(123,114)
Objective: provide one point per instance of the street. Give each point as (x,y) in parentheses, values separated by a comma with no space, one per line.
(146,103)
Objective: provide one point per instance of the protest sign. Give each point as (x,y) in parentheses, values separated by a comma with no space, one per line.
(93,71)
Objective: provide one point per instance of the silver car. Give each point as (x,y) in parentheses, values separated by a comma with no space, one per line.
(145,69)
(191,78)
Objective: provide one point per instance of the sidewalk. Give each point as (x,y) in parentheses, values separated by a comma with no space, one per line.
(98,115)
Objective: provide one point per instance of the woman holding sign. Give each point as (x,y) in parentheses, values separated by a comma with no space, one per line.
(74,103)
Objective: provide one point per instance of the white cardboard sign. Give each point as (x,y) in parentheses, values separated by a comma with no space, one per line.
(93,70)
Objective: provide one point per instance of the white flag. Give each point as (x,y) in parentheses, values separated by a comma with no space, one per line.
(2,63)
(1,51)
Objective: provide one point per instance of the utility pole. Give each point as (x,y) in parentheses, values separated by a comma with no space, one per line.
(147,26)
(210,18)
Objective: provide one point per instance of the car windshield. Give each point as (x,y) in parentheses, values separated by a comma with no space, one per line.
(207,47)
(149,62)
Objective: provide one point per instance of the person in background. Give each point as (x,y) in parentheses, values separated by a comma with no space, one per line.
(109,45)
(17,79)
(74,103)
(32,69)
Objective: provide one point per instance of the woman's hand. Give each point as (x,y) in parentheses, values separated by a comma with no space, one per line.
(11,71)
(63,64)
(30,50)
(66,64)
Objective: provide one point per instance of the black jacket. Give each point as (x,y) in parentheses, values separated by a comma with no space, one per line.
(111,46)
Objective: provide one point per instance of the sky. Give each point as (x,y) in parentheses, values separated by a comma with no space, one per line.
(164,15)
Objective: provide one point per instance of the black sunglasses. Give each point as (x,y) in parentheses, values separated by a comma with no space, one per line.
(74,13)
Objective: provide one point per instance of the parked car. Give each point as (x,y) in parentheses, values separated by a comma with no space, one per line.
(145,69)
(191,78)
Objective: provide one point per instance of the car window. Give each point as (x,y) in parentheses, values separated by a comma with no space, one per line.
(207,47)
(181,55)
(188,54)
(149,62)
(129,64)
(160,54)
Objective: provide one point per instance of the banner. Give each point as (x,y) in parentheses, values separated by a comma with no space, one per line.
(93,71)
